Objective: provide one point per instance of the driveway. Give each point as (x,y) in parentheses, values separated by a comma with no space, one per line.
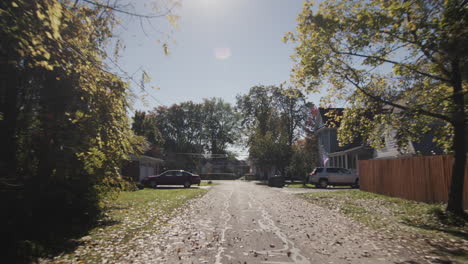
(242,222)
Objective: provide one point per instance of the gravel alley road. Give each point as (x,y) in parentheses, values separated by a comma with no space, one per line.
(242,222)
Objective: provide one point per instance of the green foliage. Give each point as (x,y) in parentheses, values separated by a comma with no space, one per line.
(402,67)
(388,59)
(147,127)
(186,131)
(269,150)
(256,108)
(274,118)
(64,125)
(221,125)
(304,158)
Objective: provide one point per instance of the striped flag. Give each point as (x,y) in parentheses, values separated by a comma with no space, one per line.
(324,159)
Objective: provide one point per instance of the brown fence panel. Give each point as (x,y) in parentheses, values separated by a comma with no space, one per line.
(425,179)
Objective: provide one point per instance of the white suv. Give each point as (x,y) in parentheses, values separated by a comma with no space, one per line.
(322,177)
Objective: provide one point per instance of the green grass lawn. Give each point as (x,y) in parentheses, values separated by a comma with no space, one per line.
(396,216)
(299,185)
(134,215)
(309,186)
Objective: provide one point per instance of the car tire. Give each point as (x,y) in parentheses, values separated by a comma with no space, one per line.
(187,184)
(153,184)
(323,183)
(356,184)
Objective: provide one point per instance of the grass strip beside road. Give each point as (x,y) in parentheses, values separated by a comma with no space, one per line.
(311,186)
(400,218)
(133,216)
(299,185)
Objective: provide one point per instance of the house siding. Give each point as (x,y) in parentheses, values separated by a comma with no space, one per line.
(141,166)
(345,156)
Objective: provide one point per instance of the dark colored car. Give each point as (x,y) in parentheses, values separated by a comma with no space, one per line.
(172,177)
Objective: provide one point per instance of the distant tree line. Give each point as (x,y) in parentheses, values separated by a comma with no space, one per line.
(185,133)
(274,122)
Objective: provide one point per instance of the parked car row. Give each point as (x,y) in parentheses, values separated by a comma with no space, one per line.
(324,176)
(171,177)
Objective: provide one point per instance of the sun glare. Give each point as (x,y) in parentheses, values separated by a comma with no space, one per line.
(222,53)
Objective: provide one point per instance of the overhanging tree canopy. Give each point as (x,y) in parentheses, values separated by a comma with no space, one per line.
(403,63)
(64,129)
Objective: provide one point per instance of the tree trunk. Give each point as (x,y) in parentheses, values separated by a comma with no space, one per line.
(9,122)
(455,202)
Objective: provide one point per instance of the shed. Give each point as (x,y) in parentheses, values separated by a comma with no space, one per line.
(141,166)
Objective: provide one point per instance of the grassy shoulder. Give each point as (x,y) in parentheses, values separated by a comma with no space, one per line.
(299,185)
(397,217)
(134,215)
(311,186)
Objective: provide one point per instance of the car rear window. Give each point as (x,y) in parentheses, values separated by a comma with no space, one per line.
(318,170)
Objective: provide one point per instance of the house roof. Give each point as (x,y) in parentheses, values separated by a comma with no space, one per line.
(329,115)
(146,158)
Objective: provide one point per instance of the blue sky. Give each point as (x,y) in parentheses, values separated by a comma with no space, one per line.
(223,47)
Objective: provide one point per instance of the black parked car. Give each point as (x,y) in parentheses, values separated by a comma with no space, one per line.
(172,177)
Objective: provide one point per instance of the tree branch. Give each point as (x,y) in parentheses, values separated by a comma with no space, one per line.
(379,99)
(394,63)
(127,12)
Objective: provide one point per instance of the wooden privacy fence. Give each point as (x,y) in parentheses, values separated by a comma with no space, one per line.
(425,179)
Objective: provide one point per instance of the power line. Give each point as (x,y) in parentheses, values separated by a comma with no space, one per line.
(135,82)
(93,62)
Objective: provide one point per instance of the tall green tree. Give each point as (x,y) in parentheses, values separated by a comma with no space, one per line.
(398,64)
(63,117)
(181,128)
(55,121)
(146,126)
(274,118)
(269,150)
(257,108)
(221,125)
(294,111)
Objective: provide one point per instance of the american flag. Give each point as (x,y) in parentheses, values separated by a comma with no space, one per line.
(324,159)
